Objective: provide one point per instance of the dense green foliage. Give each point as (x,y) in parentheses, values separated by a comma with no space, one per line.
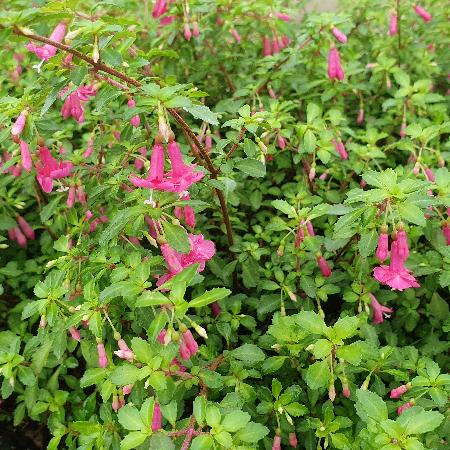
(315,137)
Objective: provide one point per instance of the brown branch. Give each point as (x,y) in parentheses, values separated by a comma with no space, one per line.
(236,144)
(100,66)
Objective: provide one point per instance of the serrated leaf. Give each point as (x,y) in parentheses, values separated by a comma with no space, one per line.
(209,297)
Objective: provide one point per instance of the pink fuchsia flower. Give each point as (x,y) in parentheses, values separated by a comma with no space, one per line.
(190,342)
(138,163)
(48,169)
(276,445)
(135,120)
(115,404)
(184,351)
(76,335)
(127,389)
(339,35)
(446,231)
(179,179)
(159,8)
(187,32)
(379,311)
(81,195)
(281,142)
(403,129)
(195,30)
(404,407)
(102,358)
(156,417)
(275,46)
(426,16)
(310,228)
(312,173)
(47,51)
(340,148)
(428,173)
(293,442)
(90,148)
(393,25)
(383,246)
(335,71)
(267,46)
(360,118)
(19,125)
(124,351)
(396,275)
(299,237)
(283,16)
(73,105)
(186,211)
(20,237)
(402,244)
(324,175)
(399,391)
(25,154)
(346,391)
(161,336)
(215,309)
(26,228)
(71,197)
(236,35)
(323,266)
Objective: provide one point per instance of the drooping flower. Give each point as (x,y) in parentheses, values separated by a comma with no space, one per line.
(281,142)
(138,163)
(135,120)
(404,407)
(310,228)
(71,197)
(446,231)
(179,179)
(283,16)
(26,228)
(187,32)
(379,311)
(429,174)
(156,417)
(383,246)
(215,309)
(159,8)
(275,46)
(399,391)
(185,211)
(396,275)
(76,335)
(19,237)
(81,195)
(48,169)
(25,154)
(195,29)
(267,46)
(339,35)
(190,342)
(346,391)
(293,442)
(73,105)
(124,351)
(299,237)
(426,16)
(335,70)
(393,26)
(236,35)
(360,118)
(323,266)
(90,148)
(19,125)
(127,389)
(208,142)
(276,445)
(115,404)
(47,51)
(102,358)
(340,148)
(402,244)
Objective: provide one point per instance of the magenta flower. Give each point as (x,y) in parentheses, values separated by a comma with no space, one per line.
(195,29)
(396,275)
(102,358)
(186,211)
(49,169)
(340,148)
(404,407)
(323,266)
(275,46)
(76,335)
(446,231)
(26,228)
(127,389)
(379,311)
(135,120)
(25,154)
(283,16)
(208,142)
(73,105)
(184,351)
(124,351)
(276,445)
(339,35)
(187,32)
(293,442)
(335,71)
(383,247)
(346,391)
(138,163)
(90,148)
(402,242)
(179,179)
(267,46)
(19,125)
(71,197)
(115,404)
(426,16)
(393,26)
(159,8)
(399,391)
(360,118)
(236,35)
(281,142)
(190,342)
(47,51)
(215,309)
(17,235)
(81,195)
(430,175)
(299,237)
(161,336)
(156,417)
(403,129)
(310,228)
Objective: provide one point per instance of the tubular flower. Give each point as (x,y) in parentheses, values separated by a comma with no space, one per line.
(135,120)
(186,211)
(156,417)
(379,311)
(236,35)
(404,407)
(446,231)
(73,105)
(25,154)
(335,71)
(102,358)
(124,351)
(426,16)
(276,445)
(383,246)
(399,391)
(396,275)
(360,118)
(48,169)
(47,51)
(267,46)
(190,342)
(340,148)
(159,8)
(26,228)
(293,442)
(393,25)
(187,32)
(323,266)
(339,35)
(19,124)
(75,334)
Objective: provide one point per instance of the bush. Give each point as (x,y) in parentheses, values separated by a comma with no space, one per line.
(225,225)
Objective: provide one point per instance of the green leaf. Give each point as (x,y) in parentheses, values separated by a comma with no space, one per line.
(412,214)
(202,442)
(133,439)
(284,207)
(156,326)
(312,322)
(213,416)
(312,112)
(368,243)
(185,276)
(126,374)
(199,409)
(370,406)
(235,420)
(209,297)
(273,364)
(248,353)
(151,298)
(346,327)
(160,441)
(130,418)
(252,432)
(309,141)
(416,420)
(118,223)
(252,167)
(318,375)
(203,113)
(177,237)
(296,409)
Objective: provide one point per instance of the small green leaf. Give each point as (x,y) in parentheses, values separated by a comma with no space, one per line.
(318,375)
(248,353)
(252,167)
(151,298)
(209,297)
(252,432)
(129,418)
(177,237)
(235,420)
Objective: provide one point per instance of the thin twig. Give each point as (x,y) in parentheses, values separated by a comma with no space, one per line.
(236,144)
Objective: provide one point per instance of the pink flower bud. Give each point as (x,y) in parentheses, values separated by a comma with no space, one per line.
(195,29)
(161,336)
(293,442)
(399,391)
(127,389)
(335,70)
(187,32)
(346,391)
(324,175)
(19,124)
(102,358)
(71,197)
(115,403)
(90,148)
(332,392)
(76,335)
(26,156)
(190,342)
(310,228)
(236,35)
(135,121)
(430,175)
(360,118)
(124,351)
(275,46)
(276,443)
(271,93)
(426,16)
(208,142)
(339,35)
(446,231)
(81,195)
(393,27)
(267,46)
(299,237)
(25,226)
(282,16)
(403,130)
(184,350)
(156,417)
(323,266)
(20,237)
(281,142)
(340,148)
(383,247)
(312,173)
(403,408)
(216,309)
